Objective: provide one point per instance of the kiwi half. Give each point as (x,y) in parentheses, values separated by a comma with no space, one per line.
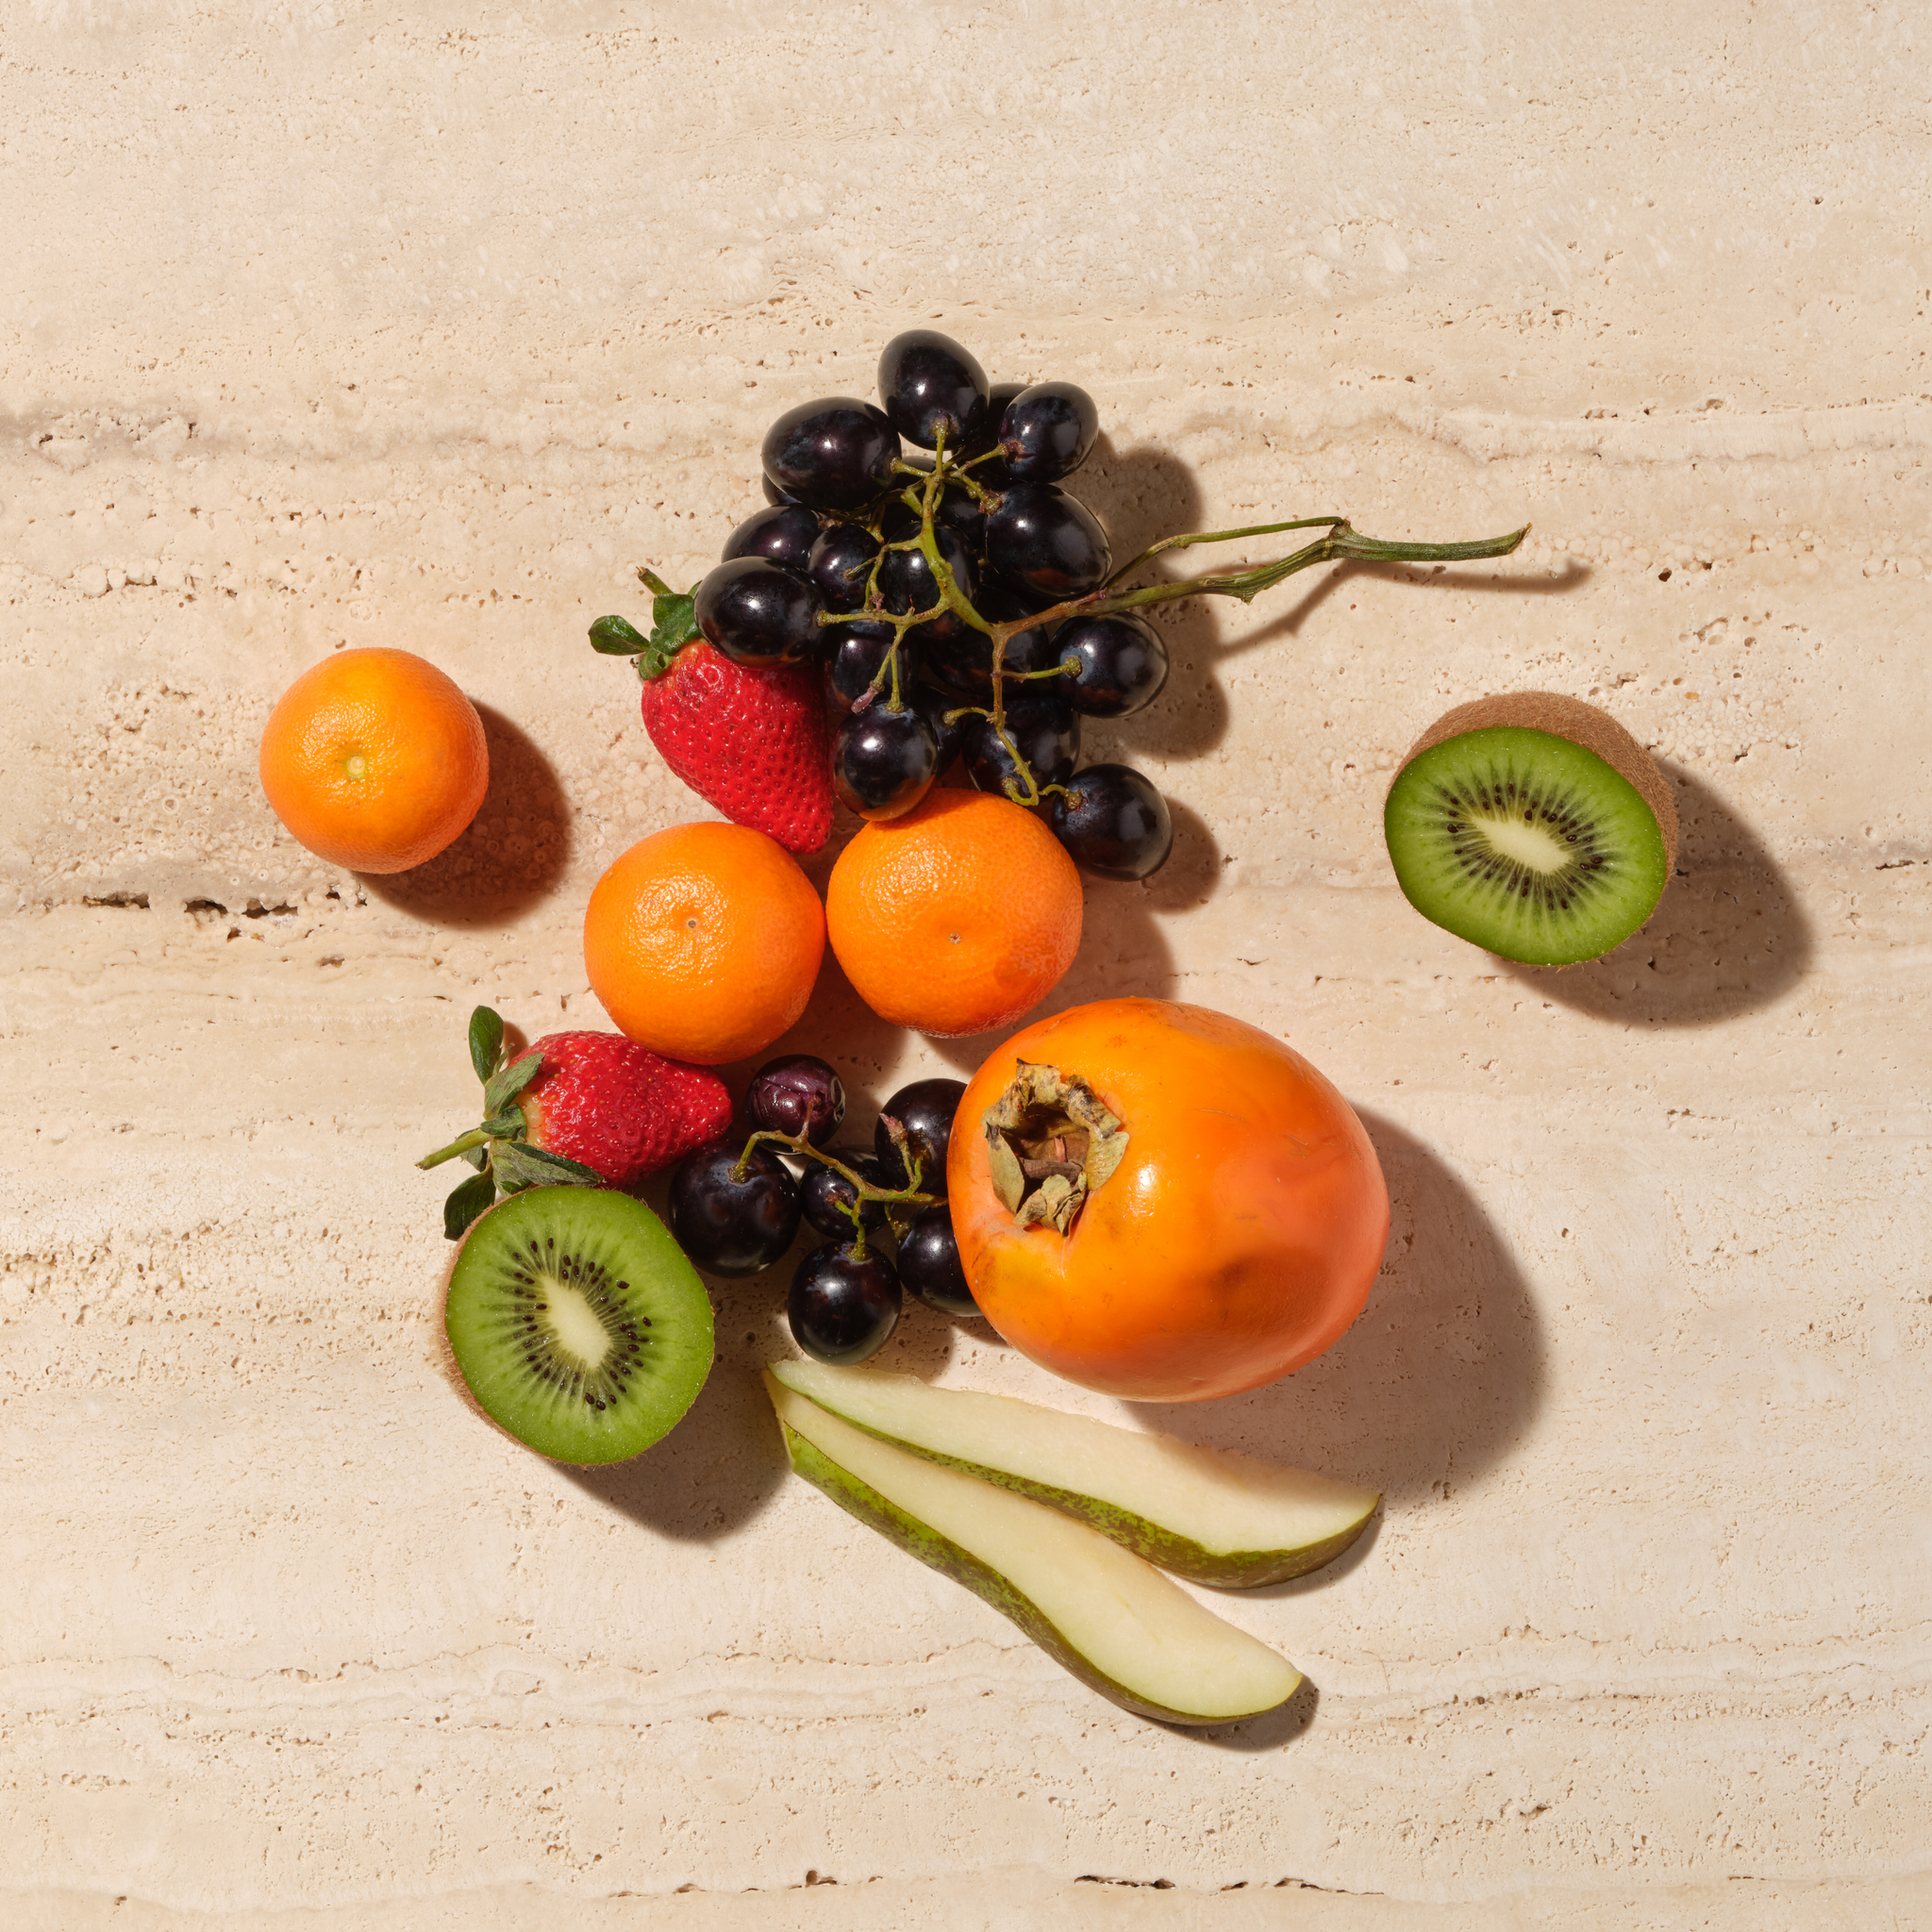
(577,1324)
(1532,825)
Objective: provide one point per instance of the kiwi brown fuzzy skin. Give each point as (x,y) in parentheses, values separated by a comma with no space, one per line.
(443,1356)
(1582,724)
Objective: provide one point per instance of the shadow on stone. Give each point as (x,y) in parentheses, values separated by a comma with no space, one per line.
(1269,1732)
(1489,581)
(1727,937)
(1439,1378)
(1195,868)
(1141,494)
(714,1471)
(510,857)
(1191,716)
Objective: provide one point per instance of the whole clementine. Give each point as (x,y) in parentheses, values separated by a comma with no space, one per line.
(703,941)
(1161,1201)
(962,915)
(374,760)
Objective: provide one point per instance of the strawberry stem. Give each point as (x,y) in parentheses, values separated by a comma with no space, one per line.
(476,1137)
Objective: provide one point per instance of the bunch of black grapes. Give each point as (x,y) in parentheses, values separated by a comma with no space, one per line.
(941,590)
(737,1205)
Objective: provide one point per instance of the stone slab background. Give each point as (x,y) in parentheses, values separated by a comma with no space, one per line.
(343,324)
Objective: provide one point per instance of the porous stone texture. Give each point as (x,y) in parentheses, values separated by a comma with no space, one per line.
(348,325)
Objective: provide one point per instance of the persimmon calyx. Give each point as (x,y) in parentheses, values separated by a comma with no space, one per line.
(1050,1142)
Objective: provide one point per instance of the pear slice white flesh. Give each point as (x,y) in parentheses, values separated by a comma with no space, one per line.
(1115,1622)
(1212,1515)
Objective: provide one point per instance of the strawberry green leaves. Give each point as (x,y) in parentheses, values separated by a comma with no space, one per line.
(503,1086)
(469,1199)
(500,1148)
(674,624)
(486,1041)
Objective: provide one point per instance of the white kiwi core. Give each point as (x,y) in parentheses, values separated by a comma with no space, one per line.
(1530,846)
(574,1323)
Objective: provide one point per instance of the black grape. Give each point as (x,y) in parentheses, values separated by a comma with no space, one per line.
(844,1307)
(907,584)
(1045,730)
(782,535)
(1115,825)
(757,614)
(833,453)
(924,1108)
(855,657)
(965,663)
(956,510)
(823,1195)
(1047,542)
(997,398)
(933,705)
(930,384)
(884,762)
(728,1226)
(838,569)
(1047,431)
(796,1094)
(928,1263)
(1122,663)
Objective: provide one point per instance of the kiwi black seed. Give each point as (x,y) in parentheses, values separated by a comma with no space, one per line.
(577,1324)
(1534,825)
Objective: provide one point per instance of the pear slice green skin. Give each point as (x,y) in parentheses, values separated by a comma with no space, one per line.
(1147,1628)
(1146,1493)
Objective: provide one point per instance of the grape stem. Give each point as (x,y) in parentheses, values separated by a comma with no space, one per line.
(674,623)
(909,1196)
(1343,545)
(1340,543)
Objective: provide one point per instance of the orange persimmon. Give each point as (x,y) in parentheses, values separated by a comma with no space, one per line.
(1163,1203)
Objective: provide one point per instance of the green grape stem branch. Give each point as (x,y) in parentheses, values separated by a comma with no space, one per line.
(1340,543)
(865,1192)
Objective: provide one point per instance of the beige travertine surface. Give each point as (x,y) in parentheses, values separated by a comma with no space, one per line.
(332,325)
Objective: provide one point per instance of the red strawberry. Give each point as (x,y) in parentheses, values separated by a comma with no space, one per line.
(608,1102)
(750,741)
(583,1110)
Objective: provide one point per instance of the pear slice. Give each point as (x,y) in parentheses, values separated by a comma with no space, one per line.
(1212,1515)
(1116,1623)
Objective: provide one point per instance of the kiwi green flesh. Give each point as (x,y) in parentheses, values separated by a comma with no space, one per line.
(577,1324)
(1526,843)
